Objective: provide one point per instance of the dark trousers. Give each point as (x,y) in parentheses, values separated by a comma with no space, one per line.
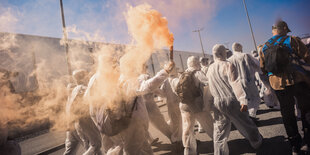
(286,98)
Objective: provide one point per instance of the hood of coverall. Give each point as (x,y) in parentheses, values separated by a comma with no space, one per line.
(254,53)
(219,52)
(204,61)
(237,47)
(193,63)
(79,76)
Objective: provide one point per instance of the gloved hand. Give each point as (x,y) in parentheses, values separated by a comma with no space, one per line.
(169,67)
(244,108)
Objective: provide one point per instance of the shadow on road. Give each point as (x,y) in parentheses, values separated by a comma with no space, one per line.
(261,123)
(272,121)
(170,149)
(271,146)
(263,111)
(275,146)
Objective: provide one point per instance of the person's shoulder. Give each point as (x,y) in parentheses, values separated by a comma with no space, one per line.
(247,55)
(232,57)
(270,39)
(199,72)
(296,41)
(227,63)
(295,38)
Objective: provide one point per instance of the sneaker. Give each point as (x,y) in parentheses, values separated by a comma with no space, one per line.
(295,142)
(295,151)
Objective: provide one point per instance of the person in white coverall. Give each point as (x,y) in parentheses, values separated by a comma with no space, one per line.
(155,116)
(204,63)
(246,67)
(197,112)
(174,112)
(80,126)
(133,139)
(230,103)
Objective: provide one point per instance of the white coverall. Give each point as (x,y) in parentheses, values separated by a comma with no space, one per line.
(133,140)
(155,116)
(174,113)
(83,129)
(228,95)
(204,69)
(246,68)
(188,116)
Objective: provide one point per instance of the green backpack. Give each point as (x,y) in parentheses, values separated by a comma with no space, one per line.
(186,88)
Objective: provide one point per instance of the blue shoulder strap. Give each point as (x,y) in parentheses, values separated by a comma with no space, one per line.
(272,41)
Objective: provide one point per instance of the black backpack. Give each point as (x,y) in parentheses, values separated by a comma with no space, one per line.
(186,88)
(277,57)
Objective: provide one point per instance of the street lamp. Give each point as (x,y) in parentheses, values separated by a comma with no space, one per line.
(198,30)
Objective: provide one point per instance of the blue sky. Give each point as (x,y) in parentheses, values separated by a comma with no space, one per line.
(224,21)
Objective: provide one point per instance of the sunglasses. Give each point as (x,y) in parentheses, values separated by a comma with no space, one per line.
(274,27)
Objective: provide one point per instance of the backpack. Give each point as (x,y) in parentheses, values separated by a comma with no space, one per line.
(186,89)
(277,57)
(110,125)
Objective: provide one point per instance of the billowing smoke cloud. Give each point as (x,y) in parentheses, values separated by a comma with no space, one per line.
(149,31)
(30,93)
(47,66)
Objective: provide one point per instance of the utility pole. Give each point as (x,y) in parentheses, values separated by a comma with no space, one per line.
(247,14)
(65,37)
(198,30)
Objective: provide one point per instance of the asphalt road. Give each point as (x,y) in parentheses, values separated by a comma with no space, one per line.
(270,126)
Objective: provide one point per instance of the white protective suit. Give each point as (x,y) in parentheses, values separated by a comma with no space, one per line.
(132,140)
(155,116)
(188,115)
(246,67)
(72,138)
(174,113)
(228,95)
(204,63)
(83,129)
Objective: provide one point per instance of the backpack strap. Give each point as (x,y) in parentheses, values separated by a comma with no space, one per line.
(268,44)
(134,106)
(282,40)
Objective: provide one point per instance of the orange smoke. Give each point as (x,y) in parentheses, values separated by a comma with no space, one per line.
(150,31)
(148,27)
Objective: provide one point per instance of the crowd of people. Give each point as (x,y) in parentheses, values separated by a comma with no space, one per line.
(213,93)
